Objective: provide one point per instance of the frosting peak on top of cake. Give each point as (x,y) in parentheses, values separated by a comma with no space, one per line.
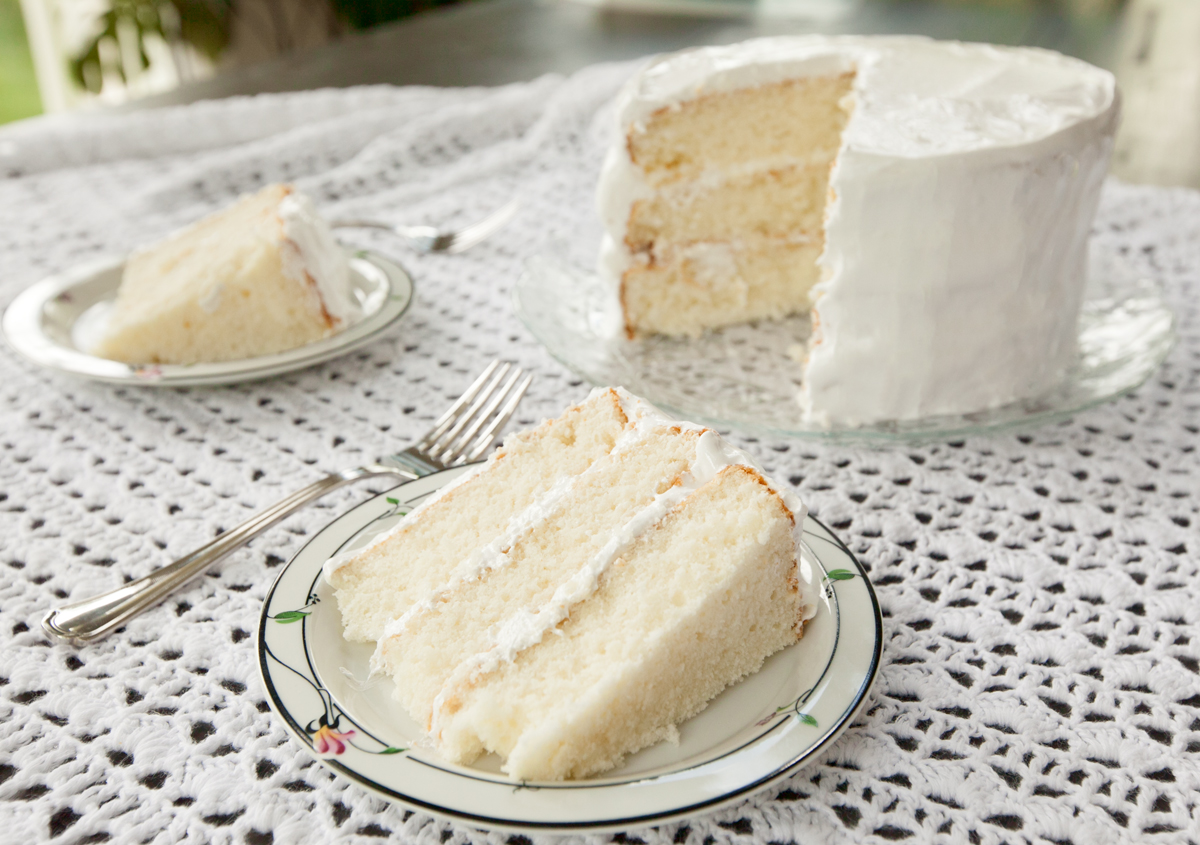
(318,256)
(954,97)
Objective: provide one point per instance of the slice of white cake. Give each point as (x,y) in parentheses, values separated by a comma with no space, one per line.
(599,580)
(262,276)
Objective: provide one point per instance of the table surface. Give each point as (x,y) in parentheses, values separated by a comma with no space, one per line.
(491,42)
(1040,589)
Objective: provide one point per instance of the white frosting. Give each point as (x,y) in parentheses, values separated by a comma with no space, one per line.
(311,252)
(495,554)
(525,628)
(713,453)
(964,190)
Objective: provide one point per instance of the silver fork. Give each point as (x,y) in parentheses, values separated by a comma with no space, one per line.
(429,239)
(461,435)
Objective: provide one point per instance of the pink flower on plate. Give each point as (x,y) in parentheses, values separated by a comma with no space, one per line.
(150,372)
(328,741)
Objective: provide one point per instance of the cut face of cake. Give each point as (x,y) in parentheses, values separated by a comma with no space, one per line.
(260,277)
(927,202)
(599,580)
(733,228)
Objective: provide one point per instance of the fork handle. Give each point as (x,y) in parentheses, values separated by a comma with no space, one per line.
(91,619)
(420,238)
(360,224)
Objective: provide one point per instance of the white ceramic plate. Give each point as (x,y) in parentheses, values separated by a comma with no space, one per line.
(750,736)
(45,322)
(744,377)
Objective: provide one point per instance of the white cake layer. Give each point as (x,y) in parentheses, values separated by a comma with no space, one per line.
(481,510)
(955,241)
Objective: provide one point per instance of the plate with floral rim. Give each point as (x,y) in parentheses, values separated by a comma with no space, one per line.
(48,324)
(753,734)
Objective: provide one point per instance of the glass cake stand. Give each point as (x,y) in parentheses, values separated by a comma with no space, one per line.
(747,377)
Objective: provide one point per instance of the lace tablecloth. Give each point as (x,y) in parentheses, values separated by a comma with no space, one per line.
(1040,589)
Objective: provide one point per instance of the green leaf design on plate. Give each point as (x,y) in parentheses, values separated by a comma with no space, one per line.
(807,719)
(393,751)
(290,616)
(840,575)
(392,501)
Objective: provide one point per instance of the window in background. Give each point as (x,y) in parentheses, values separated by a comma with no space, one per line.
(18,83)
(96,51)
(109,51)
(1159,73)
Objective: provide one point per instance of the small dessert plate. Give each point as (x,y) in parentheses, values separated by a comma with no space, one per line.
(750,736)
(50,322)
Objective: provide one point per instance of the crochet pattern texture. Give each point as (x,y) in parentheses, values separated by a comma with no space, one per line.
(1040,591)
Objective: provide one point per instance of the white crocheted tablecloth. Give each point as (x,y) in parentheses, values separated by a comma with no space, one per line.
(1039,589)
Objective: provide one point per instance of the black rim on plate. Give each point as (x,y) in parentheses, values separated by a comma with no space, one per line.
(622,822)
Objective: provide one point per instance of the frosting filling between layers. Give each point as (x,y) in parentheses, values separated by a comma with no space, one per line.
(496,553)
(525,628)
(714,453)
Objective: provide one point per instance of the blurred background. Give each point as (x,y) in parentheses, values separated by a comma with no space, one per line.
(69,55)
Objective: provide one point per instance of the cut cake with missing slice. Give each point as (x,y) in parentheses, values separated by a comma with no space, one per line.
(260,277)
(599,580)
(926,204)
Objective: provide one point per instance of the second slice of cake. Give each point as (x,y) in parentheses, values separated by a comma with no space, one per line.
(599,580)
(262,276)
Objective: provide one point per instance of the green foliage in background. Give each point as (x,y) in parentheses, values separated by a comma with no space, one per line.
(18,85)
(202,23)
(206,24)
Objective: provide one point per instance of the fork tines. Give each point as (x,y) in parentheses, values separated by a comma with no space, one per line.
(467,429)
